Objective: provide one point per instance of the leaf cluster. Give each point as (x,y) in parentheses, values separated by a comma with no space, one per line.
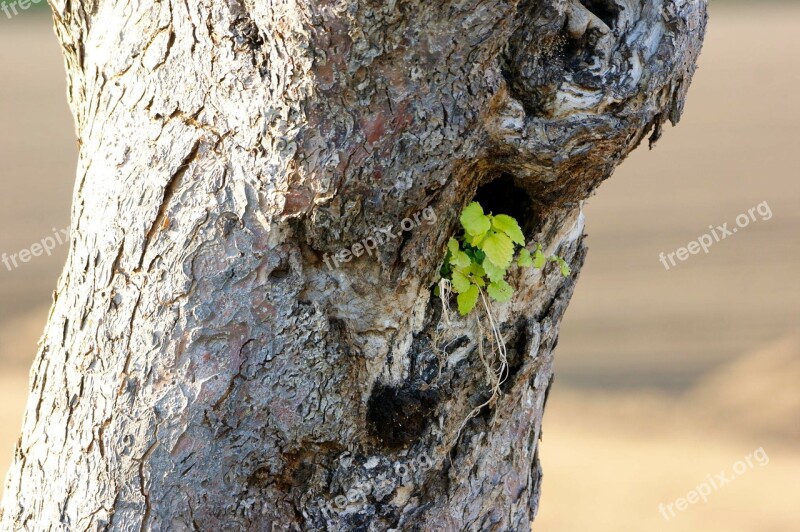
(480,255)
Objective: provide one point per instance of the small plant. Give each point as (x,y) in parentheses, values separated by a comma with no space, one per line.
(476,263)
(479,257)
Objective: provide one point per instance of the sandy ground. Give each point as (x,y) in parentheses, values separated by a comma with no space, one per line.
(611,458)
(663,377)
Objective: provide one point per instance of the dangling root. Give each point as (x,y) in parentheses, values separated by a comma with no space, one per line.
(445,290)
(444,296)
(495,376)
(501,374)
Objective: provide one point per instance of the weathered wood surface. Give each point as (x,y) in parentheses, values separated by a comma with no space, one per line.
(204,368)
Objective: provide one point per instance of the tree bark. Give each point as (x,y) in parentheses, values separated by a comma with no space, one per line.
(208,366)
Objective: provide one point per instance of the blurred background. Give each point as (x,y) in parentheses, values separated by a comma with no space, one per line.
(665,378)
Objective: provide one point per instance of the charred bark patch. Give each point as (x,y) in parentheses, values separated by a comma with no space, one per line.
(397,416)
(517,354)
(458,343)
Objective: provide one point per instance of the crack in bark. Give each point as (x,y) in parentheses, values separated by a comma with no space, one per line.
(172,185)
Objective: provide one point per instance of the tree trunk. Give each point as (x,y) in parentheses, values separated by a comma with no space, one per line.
(214,361)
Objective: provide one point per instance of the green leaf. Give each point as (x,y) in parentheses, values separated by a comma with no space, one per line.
(565,269)
(500,291)
(460,259)
(452,246)
(476,254)
(499,249)
(493,271)
(436,291)
(476,270)
(467,300)
(474,221)
(460,283)
(562,264)
(538,258)
(509,226)
(446,269)
(476,240)
(524,259)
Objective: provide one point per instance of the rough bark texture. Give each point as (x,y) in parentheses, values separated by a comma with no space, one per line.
(204,369)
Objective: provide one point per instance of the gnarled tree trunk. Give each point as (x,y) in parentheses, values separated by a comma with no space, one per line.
(208,365)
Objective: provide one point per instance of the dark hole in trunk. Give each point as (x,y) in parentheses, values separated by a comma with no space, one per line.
(605,10)
(503,196)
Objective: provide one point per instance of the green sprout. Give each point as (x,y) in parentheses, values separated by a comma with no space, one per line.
(480,255)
